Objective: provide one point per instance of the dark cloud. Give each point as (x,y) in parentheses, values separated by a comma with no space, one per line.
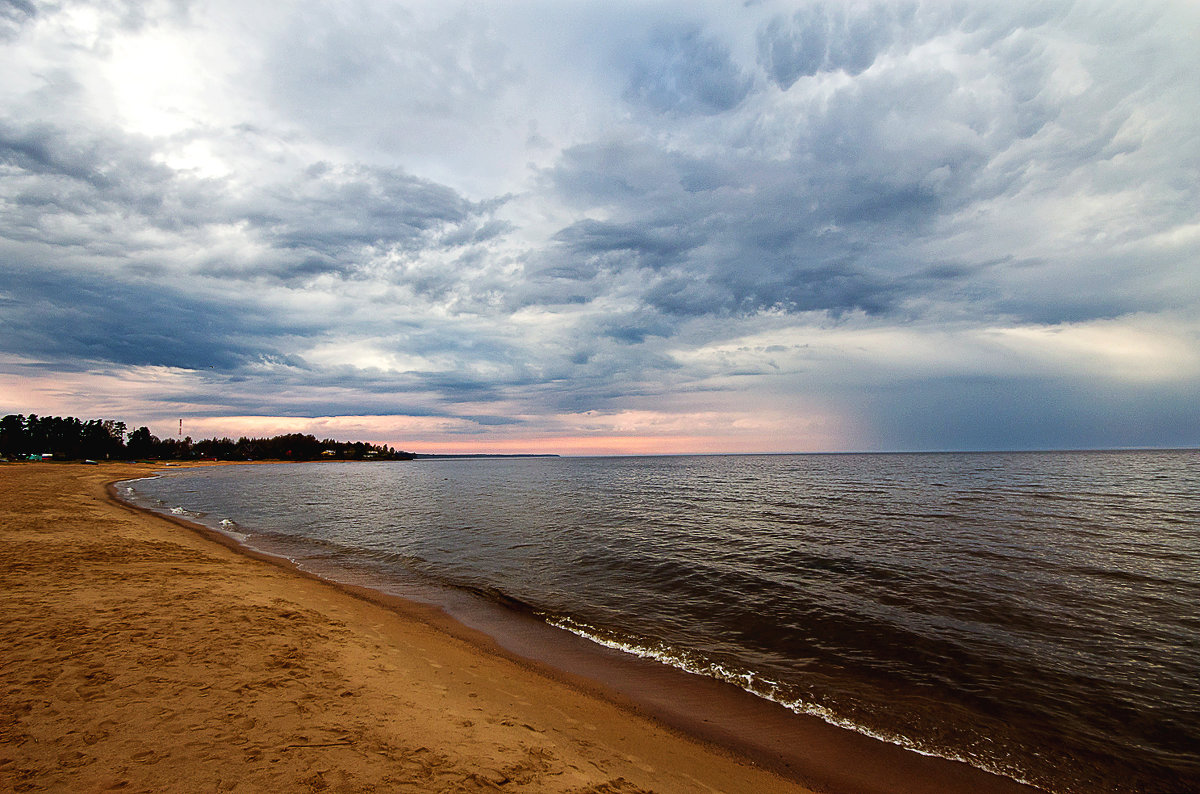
(74,316)
(14,14)
(320,221)
(284,391)
(627,244)
(838,223)
(324,219)
(797,242)
(128,15)
(361,206)
(828,37)
(17,9)
(682,71)
(633,327)
(795,288)
(617,173)
(488,420)
(118,171)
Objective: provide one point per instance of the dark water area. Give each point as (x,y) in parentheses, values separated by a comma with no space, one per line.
(1034,614)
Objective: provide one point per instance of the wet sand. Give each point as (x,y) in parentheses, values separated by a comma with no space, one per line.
(137,655)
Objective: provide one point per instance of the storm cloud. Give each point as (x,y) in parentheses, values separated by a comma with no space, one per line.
(888,225)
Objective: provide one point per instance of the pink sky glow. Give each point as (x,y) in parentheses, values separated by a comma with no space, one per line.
(134,396)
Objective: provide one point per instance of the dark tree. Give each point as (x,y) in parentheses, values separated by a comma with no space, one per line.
(14,440)
(69,438)
(142,444)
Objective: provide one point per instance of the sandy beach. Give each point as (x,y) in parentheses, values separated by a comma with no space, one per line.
(138,655)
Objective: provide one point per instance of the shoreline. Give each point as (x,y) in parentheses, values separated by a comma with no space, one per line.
(739,737)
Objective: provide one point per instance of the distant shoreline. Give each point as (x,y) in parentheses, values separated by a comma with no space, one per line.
(431,456)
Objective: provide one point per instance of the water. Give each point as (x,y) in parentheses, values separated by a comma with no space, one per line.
(1031,613)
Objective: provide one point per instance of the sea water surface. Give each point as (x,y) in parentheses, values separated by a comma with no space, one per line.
(1035,614)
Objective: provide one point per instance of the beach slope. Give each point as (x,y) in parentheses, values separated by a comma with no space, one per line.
(136,654)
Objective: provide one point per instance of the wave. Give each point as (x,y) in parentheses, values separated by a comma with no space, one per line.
(762,687)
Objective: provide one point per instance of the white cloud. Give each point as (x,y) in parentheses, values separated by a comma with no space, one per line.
(1143,349)
(1123,350)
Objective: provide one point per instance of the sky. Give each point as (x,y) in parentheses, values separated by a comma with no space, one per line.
(606,227)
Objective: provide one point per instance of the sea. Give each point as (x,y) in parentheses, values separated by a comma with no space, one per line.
(1034,614)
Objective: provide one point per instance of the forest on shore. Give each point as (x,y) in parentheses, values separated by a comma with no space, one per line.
(68,438)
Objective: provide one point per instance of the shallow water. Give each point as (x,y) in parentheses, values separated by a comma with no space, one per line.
(1031,613)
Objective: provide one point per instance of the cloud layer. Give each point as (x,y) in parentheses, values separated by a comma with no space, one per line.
(607,227)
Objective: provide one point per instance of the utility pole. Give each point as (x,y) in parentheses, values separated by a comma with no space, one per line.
(181,428)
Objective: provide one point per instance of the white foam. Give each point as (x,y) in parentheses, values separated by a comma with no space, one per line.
(760,687)
(229,528)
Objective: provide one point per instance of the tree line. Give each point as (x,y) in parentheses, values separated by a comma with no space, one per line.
(69,438)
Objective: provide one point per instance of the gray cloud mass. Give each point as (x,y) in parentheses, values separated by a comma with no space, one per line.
(917,226)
